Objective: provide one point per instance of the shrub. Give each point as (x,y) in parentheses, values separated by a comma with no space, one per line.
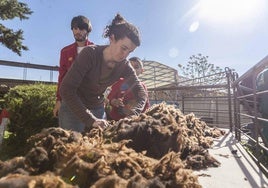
(30,108)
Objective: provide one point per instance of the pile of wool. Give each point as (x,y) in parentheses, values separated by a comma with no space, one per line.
(164,128)
(159,148)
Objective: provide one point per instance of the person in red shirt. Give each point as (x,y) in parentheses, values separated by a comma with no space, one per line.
(123,95)
(81,27)
(4,120)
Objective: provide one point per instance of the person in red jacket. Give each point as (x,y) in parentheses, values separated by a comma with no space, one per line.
(81,27)
(4,120)
(123,95)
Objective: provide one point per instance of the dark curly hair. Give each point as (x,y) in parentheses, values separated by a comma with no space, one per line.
(120,28)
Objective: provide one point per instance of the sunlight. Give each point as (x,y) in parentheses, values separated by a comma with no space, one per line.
(194,26)
(229,11)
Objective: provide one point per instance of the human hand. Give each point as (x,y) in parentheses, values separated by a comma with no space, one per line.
(100,123)
(117,102)
(126,111)
(56,109)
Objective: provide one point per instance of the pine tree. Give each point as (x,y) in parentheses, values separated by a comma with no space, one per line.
(10,9)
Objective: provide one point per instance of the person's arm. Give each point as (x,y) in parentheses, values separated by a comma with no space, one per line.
(62,71)
(67,57)
(147,104)
(113,92)
(56,108)
(140,93)
(113,96)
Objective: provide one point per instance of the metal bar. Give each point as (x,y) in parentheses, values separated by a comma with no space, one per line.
(28,65)
(255,69)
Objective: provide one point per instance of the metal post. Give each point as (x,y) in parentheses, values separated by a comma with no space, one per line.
(228,76)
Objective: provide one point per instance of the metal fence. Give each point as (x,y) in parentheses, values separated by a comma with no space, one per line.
(251,123)
(222,101)
(209,98)
(27,70)
(27,67)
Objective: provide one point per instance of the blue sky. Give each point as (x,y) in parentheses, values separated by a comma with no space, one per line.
(233,33)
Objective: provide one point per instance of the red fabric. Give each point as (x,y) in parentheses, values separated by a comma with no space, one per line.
(4,114)
(129,98)
(67,56)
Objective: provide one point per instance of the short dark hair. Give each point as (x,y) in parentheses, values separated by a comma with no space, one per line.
(136,59)
(82,23)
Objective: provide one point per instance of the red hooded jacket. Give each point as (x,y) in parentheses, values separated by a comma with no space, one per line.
(121,89)
(67,57)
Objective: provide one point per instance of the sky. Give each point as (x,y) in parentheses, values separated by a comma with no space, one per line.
(232,33)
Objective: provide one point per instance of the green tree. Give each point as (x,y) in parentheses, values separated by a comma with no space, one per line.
(10,9)
(201,71)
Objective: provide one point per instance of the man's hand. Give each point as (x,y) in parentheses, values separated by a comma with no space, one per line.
(127,110)
(56,109)
(117,102)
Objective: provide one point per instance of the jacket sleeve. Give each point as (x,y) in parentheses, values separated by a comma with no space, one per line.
(62,71)
(114,91)
(147,104)
(140,93)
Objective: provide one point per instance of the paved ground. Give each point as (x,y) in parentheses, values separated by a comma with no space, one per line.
(236,170)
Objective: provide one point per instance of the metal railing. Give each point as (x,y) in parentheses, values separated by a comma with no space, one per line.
(248,118)
(221,105)
(209,98)
(7,83)
(27,66)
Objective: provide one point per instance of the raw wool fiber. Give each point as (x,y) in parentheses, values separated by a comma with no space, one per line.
(84,161)
(46,180)
(171,146)
(162,129)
